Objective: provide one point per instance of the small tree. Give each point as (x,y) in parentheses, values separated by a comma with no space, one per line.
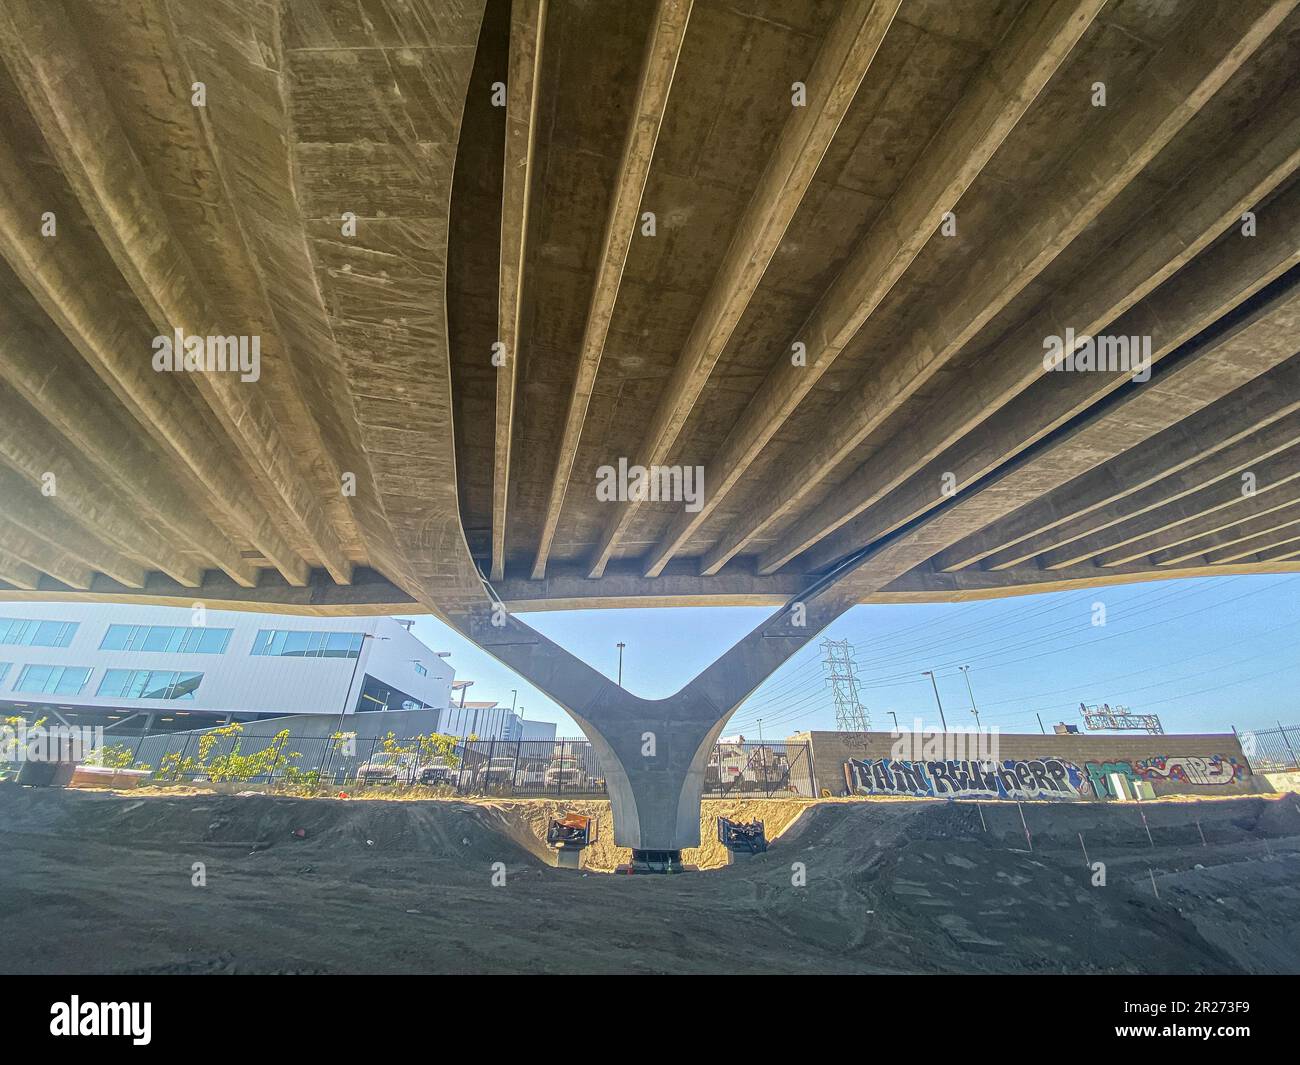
(232,766)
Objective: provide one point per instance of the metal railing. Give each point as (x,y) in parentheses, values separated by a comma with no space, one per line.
(515,768)
(1271,750)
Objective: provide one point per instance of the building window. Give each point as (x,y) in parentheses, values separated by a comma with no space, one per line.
(300,643)
(37,633)
(176,639)
(421,670)
(52,680)
(149,684)
(375,696)
(4,670)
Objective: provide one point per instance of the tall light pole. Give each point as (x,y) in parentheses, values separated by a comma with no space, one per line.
(965,670)
(895,717)
(930,673)
(620,645)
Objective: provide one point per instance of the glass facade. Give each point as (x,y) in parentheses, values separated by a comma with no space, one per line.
(52,680)
(36,633)
(149,684)
(296,643)
(178,639)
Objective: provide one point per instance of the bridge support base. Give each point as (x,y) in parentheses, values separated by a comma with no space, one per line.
(655,862)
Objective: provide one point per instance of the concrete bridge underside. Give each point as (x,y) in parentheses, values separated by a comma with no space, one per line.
(487,248)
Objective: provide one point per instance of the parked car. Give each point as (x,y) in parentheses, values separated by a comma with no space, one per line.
(387,768)
(435,772)
(565,773)
(531,776)
(500,772)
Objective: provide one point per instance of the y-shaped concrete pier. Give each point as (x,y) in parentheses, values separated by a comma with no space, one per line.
(654,751)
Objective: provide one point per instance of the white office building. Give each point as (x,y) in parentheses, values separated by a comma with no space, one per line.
(489,721)
(167,668)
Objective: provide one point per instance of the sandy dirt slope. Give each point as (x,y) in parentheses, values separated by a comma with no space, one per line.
(102,883)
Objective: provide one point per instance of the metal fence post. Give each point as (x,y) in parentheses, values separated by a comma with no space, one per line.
(275,757)
(135,757)
(180,766)
(1287,740)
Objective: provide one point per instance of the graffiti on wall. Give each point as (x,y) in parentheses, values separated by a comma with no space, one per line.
(1214,771)
(1033,778)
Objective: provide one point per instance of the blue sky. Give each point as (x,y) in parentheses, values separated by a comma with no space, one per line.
(1205,654)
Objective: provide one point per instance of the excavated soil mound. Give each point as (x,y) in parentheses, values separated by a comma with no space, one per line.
(205,883)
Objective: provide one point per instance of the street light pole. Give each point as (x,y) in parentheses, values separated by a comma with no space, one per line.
(620,645)
(930,673)
(895,717)
(965,670)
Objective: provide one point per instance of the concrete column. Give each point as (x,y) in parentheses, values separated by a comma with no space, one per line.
(654,752)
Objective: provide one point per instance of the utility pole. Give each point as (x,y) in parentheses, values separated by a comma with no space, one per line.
(620,645)
(930,673)
(965,670)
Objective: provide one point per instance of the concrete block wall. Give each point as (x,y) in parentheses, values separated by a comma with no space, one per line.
(1029,766)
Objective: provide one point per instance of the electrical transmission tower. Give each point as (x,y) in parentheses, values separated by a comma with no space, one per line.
(841,672)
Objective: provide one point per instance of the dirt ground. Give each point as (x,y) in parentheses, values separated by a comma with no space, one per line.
(104,883)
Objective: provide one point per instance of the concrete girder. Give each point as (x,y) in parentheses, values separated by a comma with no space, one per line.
(270,270)
(1279,557)
(841,63)
(40,371)
(657,69)
(1176,490)
(1258,419)
(523,84)
(44,556)
(111,342)
(925,584)
(653,752)
(1177,82)
(1241,540)
(1004,88)
(15,571)
(1213,284)
(34,449)
(1203,373)
(62,91)
(1163,242)
(1211,510)
(39,516)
